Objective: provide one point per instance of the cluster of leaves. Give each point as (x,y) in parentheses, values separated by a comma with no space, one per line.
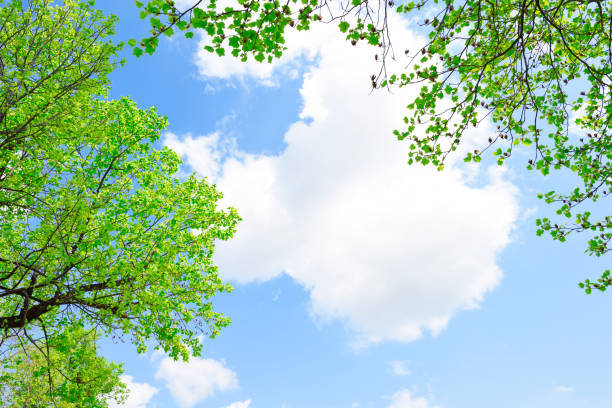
(95,223)
(245,27)
(522,65)
(253,27)
(63,371)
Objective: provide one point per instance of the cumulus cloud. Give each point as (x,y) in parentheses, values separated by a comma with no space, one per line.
(405,399)
(192,381)
(392,250)
(140,393)
(210,151)
(240,404)
(399,368)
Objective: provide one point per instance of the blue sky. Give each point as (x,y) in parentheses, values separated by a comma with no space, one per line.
(360,281)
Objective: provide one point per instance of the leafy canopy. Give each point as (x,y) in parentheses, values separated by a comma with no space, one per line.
(533,67)
(251,27)
(95,223)
(63,371)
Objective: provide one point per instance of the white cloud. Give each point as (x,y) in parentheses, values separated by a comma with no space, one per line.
(390,249)
(140,393)
(240,404)
(405,399)
(399,368)
(210,151)
(563,389)
(576,131)
(195,380)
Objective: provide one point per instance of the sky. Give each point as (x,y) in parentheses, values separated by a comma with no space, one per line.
(360,281)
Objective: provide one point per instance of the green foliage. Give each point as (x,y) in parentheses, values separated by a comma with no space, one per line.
(95,223)
(251,27)
(48,54)
(62,372)
(533,69)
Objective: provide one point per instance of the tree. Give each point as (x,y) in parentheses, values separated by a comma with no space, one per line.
(96,225)
(67,367)
(534,68)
